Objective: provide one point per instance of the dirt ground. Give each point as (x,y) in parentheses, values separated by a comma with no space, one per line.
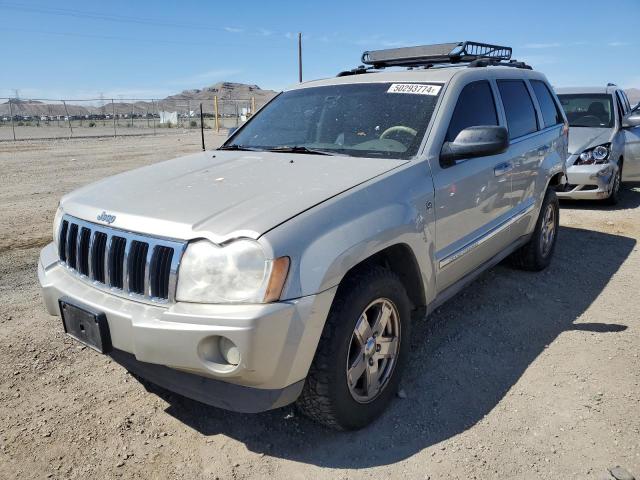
(524,375)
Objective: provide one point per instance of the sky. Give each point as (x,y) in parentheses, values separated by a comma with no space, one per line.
(141,49)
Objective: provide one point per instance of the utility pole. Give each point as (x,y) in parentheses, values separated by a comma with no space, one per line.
(300,57)
(202,127)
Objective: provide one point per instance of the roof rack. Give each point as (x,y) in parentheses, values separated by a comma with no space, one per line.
(456,52)
(474,53)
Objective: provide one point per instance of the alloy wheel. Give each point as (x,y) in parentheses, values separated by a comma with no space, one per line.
(548,230)
(373,350)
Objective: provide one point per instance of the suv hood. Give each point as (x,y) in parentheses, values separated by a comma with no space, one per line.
(581,138)
(220,195)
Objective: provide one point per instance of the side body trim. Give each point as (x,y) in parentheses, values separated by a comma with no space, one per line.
(479,240)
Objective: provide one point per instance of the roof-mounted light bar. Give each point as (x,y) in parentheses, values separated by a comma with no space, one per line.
(457,52)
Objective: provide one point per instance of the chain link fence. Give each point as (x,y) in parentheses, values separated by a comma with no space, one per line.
(22,119)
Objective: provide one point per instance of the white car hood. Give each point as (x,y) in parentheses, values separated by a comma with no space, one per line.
(581,138)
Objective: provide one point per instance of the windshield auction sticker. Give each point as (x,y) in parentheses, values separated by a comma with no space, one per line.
(414,88)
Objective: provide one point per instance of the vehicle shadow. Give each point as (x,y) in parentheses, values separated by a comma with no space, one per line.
(464,359)
(629,198)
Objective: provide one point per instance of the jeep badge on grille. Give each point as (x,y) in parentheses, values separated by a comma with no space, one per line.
(105,217)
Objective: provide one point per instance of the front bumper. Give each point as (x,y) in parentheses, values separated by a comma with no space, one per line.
(588,182)
(276,341)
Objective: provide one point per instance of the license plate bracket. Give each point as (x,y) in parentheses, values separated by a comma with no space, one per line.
(85,325)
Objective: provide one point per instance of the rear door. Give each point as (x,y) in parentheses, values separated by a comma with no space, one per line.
(472,196)
(529,145)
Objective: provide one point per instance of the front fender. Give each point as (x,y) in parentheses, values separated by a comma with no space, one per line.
(328,259)
(327,241)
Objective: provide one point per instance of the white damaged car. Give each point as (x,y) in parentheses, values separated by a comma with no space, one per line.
(604,142)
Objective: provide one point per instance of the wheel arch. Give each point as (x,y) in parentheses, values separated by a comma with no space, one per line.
(556,180)
(400,259)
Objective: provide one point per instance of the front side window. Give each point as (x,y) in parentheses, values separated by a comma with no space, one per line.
(621,102)
(625,99)
(518,107)
(475,107)
(588,109)
(550,112)
(364,120)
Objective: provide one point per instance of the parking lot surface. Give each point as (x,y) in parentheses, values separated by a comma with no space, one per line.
(523,375)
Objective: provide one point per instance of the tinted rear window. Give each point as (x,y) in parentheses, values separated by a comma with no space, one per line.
(550,112)
(518,107)
(475,107)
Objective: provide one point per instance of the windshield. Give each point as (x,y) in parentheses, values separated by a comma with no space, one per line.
(588,109)
(364,120)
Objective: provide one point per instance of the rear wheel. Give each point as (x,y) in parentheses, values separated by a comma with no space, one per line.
(361,353)
(536,254)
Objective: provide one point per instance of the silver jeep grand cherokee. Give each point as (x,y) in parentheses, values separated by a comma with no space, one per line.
(287,264)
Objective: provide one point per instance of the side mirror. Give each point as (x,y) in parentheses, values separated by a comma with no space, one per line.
(231,131)
(475,142)
(631,120)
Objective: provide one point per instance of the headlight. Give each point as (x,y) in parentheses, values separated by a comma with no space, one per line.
(586,157)
(56,225)
(235,273)
(599,154)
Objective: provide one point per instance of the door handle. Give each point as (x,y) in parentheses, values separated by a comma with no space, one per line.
(502,168)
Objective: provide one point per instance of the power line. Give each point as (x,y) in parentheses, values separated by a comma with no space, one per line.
(67,12)
(134,39)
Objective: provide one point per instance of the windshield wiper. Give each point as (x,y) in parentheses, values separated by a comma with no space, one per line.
(298,149)
(234,146)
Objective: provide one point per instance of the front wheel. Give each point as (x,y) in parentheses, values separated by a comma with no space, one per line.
(614,195)
(361,353)
(536,254)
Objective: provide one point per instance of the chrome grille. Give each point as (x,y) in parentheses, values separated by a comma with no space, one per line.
(125,263)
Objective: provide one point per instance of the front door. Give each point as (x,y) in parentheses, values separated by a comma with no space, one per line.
(631,168)
(472,196)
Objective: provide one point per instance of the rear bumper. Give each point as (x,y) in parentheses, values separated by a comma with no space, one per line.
(176,346)
(588,182)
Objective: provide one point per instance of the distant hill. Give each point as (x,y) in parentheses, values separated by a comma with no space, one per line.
(634,95)
(227,92)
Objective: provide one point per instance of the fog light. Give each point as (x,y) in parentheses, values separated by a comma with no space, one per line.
(229,351)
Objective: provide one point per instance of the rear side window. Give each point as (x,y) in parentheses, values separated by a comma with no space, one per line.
(476,107)
(550,112)
(518,107)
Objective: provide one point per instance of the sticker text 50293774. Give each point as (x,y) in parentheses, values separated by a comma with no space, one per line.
(414,88)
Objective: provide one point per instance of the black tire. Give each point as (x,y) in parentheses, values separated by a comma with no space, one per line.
(614,195)
(326,397)
(536,255)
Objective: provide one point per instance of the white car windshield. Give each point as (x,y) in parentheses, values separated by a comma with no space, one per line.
(365,120)
(588,110)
